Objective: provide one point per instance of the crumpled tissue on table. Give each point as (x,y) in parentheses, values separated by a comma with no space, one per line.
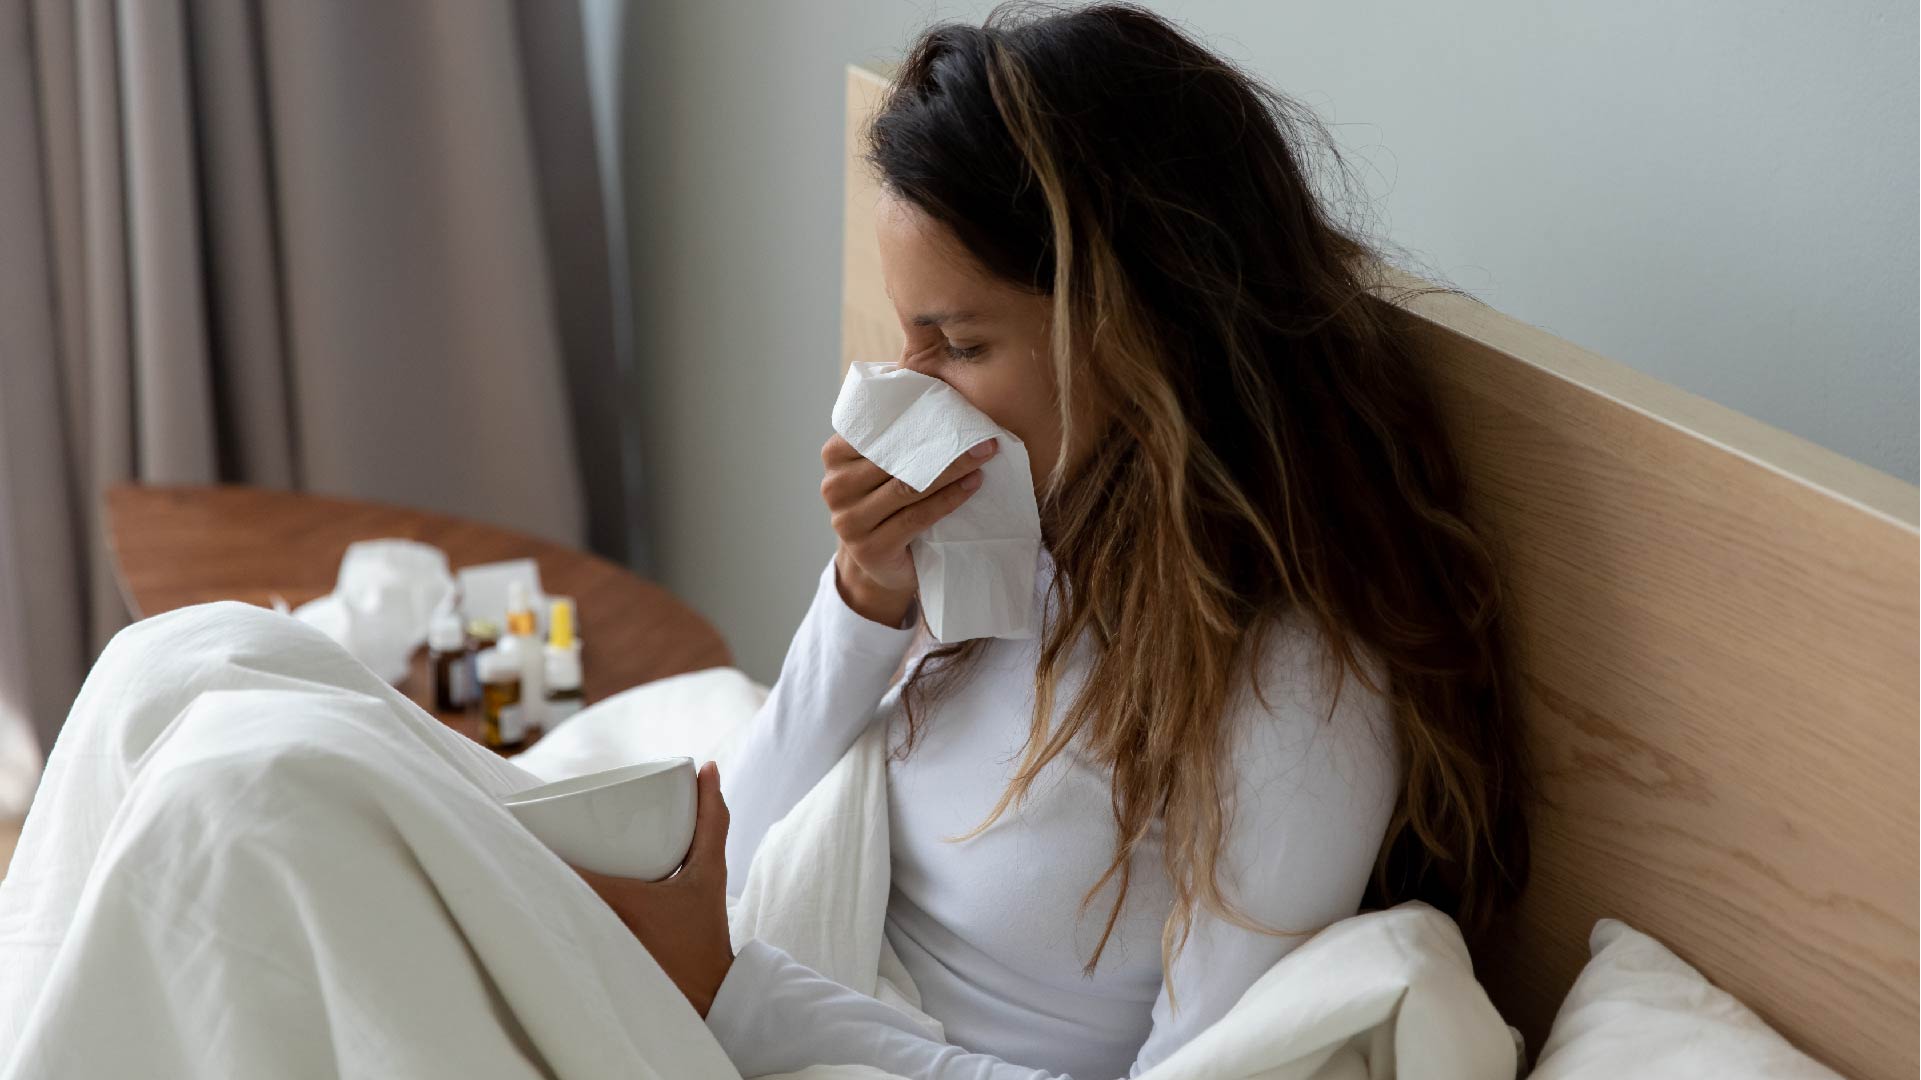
(976,565)
(386,592)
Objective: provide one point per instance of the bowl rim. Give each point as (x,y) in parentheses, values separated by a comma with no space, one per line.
(596,781)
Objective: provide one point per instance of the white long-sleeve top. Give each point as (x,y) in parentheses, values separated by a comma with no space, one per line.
(990,929)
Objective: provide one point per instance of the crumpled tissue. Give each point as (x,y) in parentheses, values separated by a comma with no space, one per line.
(976,565)
(385,593)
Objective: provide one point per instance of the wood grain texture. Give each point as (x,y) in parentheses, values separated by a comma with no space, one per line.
(175,546)
(1718,656)
(1716,631)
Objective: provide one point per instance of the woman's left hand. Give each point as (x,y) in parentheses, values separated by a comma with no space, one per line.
(682,920)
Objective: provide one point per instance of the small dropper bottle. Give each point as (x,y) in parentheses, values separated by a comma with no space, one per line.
(564,697)
(482,634)
(500,699)
(524,631)
(447,654)
(520,610)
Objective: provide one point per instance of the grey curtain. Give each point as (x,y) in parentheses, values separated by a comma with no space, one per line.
(357,247)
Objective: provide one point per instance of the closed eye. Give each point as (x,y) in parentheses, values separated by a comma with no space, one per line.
(968,353)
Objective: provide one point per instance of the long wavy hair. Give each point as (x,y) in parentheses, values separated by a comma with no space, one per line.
(1271,447)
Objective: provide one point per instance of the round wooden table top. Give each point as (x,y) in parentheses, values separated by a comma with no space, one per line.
(175,546)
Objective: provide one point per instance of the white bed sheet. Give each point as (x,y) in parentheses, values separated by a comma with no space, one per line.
(251,856)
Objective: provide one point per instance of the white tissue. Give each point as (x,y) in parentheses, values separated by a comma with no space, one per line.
(976,565)
(385,594)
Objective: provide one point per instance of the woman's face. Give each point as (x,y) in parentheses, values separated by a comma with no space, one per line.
(982,336)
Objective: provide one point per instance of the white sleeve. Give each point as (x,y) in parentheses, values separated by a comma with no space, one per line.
(1312,800)
(836,671)
(774,1014)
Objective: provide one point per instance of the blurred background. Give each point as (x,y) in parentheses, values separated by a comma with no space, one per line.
(571,267)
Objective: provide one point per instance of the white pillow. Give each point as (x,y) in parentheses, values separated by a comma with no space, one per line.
(1639,1010)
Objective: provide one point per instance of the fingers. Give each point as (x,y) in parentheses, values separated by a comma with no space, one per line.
(846,483)
(913,520)
(880,496)
(708,854)
(838,451)
(975,457)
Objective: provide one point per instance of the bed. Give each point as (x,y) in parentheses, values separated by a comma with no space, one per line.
(1716,626)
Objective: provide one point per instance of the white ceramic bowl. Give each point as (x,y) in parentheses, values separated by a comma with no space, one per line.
(636,821)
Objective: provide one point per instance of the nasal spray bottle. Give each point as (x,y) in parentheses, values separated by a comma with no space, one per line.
(564,698)
(524,634)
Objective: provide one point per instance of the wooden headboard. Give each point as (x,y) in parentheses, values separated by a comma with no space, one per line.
(1716,627)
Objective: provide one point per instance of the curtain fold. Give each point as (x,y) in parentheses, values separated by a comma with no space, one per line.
(353,247)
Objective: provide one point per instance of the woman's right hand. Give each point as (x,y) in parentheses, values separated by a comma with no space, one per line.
(876,515)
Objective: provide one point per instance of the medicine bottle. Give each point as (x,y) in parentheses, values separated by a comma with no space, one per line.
(501,726)
(482,634)
(453,675)
(564,696)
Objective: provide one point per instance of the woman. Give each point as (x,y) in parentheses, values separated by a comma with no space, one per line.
(1270,686)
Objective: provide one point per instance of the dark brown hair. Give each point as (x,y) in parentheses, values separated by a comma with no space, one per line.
(1271,447)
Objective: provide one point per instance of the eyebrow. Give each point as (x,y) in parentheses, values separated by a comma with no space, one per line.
(942,318)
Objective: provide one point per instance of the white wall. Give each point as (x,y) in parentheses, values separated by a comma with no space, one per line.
(1721,193)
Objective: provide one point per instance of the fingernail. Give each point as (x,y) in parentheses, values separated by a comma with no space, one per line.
(984,449)
(970,481)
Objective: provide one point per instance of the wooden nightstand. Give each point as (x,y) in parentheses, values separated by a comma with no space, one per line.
(175,546)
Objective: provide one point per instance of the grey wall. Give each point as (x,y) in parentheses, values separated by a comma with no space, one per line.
(1722,194)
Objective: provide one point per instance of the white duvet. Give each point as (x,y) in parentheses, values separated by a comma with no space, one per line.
(250,857)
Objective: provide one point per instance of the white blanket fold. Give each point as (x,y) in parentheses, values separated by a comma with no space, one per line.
(250,856)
